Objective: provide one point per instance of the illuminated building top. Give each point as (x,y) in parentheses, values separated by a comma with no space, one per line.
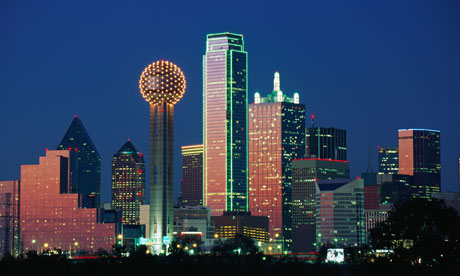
(162,81)
(277,95)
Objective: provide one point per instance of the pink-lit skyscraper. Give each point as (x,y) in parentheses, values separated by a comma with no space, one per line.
(276,137)
(225,102)
(51,217)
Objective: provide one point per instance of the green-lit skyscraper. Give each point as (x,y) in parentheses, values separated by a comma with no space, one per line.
(87,180)
(225,102)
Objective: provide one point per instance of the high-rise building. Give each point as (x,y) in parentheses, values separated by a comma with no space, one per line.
(225,101)
(50,215)
(305,175)
(340,213)
(191,188)
(162,84)
(388,158)
(327,143)
(420,156)
(276,136)
(9,218)
(86,179)
(128,183)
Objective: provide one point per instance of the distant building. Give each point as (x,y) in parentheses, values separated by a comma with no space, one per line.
(305,175)
(340,213)
(194,223)
(191,188)
(388,158)
(232,223)
(276,136)
(374,216)
(86,178)
(9,218)
(51,217)
(327,143)
(225,124)
(394,188)
(420,156)
(128,183)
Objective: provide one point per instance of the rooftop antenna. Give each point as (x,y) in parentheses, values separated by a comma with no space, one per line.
(312,120)
(369,166)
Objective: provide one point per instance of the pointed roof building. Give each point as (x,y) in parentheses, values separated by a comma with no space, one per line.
(86,168)
(128,183)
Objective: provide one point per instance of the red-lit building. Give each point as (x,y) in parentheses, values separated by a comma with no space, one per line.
(276,136)
(52,218)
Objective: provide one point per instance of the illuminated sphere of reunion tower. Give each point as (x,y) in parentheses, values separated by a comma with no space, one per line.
(162,84)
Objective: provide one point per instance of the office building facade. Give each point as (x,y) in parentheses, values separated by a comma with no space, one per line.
(86,178)
(327,143)
(306,173)
(128,183)
(420,157)
(51,217)
(388,159)
(340,213)
(191,186)
(225,101)
(276,137)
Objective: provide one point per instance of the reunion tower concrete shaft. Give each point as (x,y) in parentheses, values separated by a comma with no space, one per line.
(162,84)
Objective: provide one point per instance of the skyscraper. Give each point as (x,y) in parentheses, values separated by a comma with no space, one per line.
(128,183)
(162,84)
(192,175)
(420,156)
(87,167)
(276,136)
(327,143)
(388,158)
(225,100)
(50,215)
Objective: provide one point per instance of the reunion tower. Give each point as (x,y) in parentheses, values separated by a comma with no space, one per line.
(162,84)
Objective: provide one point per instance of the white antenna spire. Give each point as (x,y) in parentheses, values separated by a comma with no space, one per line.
(276,82)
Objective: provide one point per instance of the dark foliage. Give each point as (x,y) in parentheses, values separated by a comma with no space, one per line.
(420,231)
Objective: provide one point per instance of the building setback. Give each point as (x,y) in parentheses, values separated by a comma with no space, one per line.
(51,217)
(420,157)
(191,188)
(86,178)
(128,183)
(327,143)
(225,100)
(276,136)
(305,175)
(340,213)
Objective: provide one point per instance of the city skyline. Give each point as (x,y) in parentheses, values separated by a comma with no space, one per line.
(317,78)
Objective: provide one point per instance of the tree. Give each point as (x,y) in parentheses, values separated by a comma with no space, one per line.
(239,245)
(420,231)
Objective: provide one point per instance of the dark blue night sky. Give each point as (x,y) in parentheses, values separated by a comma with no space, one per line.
(370,68)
